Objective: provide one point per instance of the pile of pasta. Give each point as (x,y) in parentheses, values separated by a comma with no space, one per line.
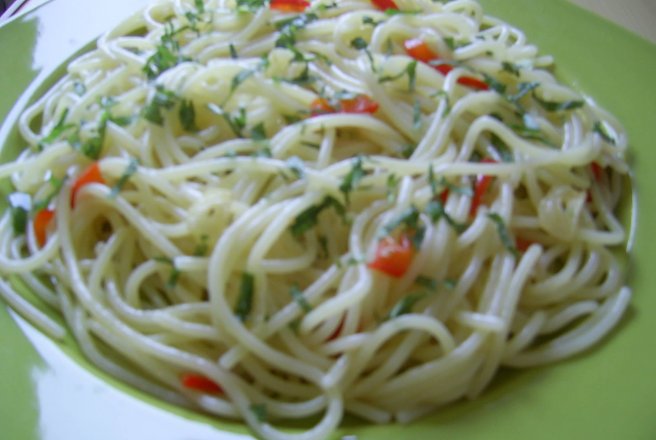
(290,209)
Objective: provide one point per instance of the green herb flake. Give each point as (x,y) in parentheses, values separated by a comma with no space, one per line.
(174,275)
(250,5)
(132,167)
(442,95)
(292,119)
(426,282)
(352,178)
(495,84)
(289,28)
(79,88)
(296,166)
(265,151)
(392,185)
(454,44)
(312,145)
(260,411)
(391,12)
(240,78)
(295,325)
(416,115)
(245,300)
(522,90)
(410,70)
(57,131)
(505,153)
(407,151)
(435,210)
(551,106)
(450,43)
(457,189)
(233,51)
(327,6)
(309,218)
(237,122)
(370,21)
(162,99)
(504,234)
(258,133)
(359,43)
(405,305)
(511,68)
(202,247)
(167,53)
(323,246)
(297,295)
(56,184)
(303,78)
(187,115)
(408,218)
(20,205)
(601,128)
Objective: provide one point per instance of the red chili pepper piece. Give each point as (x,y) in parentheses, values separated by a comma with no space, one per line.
(384,5)
(444,196)
(419,50)
(321,106)
(337,330)
(522,244)
(289,5)
(359,104)
(90,175)
(473,83)
(483,182)
(443,68)
(597,171)
(200,383)
(40,224)
(393,256)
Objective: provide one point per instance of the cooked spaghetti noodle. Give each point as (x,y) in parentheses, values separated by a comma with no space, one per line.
(288,209)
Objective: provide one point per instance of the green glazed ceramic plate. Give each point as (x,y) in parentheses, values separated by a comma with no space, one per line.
(48,392)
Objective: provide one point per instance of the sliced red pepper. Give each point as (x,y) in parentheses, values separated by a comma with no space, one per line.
(40,224)
(335,334)
(473,83)
(597,171)
(384,5)
(483,182)
(321,106)
(443,68)
(359,104)
(90,175)
(393,256)
(419,50)
(522,244)
(200,383)
(444,196)
(289,5)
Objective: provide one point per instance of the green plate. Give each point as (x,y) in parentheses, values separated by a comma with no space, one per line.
(48,392)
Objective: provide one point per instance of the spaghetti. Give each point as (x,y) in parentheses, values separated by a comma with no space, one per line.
(285,209)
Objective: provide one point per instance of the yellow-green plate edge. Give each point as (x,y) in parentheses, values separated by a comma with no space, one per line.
(48,392)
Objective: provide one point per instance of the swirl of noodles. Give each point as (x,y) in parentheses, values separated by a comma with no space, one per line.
(289,209)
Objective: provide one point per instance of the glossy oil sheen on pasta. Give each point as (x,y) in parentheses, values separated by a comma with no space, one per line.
(297,210)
